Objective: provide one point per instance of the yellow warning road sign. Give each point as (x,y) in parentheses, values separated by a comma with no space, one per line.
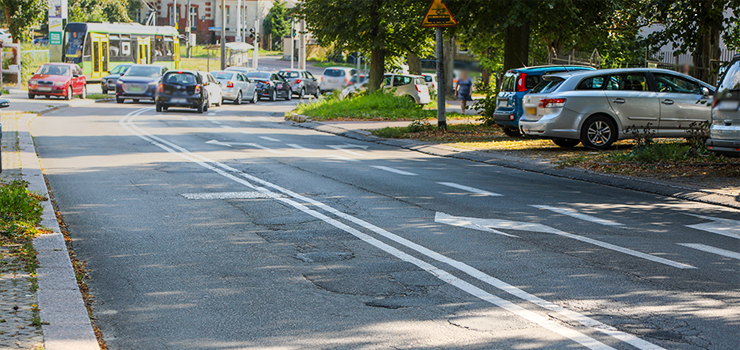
(438,15)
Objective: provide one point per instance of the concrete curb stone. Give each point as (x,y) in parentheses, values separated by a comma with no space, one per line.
(542,167)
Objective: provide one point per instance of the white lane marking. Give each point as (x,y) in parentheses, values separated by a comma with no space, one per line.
(713,250)
(247,120)
(127,123)
(469,189)
(232,144)
(724,227)
(393,170)
(533,227)
(231,195)
(466,222)
(574,213)
(212,113)
(185,118)
(301,147)
(336,156)
(237,130)
(269,139)
(344,147)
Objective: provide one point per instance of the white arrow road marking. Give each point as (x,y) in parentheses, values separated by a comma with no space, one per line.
(725,227)
(232,144)
(577,215)
(269,139)
(344,147)
(527,226)
(471,223)
(231,195)
(239,177)
(469,189)
(393,170)
(301,147)
(713,250)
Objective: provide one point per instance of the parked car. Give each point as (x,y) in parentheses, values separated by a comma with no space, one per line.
(412,86)
(41,41)
(358,79)
(235,86)
(351,90)
(514,85)
(302,82)
(724,134)
(598,108)
(271,85)
(182,89)
(58,79)
(431,81)
(108,83)
(240,69)
(5,36)
(140,82)
(215,94)
(336,78)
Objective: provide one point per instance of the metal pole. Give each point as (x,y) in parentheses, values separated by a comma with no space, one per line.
(302,45)
(187,31)
(174,12)
(441,118)
(238,21)
(256,53)
(223,34)
(292,43)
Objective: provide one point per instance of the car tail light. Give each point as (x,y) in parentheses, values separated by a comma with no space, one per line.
(521,82)
(230,84)
(346,81)
(714,103)
(417,88)
(552,102)
(197,89)
(298,81)
(160,88)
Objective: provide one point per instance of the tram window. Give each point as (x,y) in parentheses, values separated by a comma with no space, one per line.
(115,45)
(125,48)
(159,49)
(87,47)
(169,46)
(74,43)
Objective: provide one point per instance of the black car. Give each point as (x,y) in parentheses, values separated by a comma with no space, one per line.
(108,83)
(139,83)
(182,89)
(271,85)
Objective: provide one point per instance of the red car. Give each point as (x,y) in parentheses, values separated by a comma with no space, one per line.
(58,79)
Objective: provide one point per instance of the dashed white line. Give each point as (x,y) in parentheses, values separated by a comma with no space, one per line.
(343,158)
(301,147)
(269,138)
(212,113)
(237,130)
(393,170)
(724,227)
(185,118)
(713,250)
(469,189)
(574,213)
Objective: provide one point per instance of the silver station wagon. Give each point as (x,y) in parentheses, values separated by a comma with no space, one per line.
(599,107)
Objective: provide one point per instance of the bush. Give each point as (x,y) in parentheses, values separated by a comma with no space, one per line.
(20,210)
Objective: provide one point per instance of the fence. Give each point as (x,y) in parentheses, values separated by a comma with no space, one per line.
(703,66)
(573,57)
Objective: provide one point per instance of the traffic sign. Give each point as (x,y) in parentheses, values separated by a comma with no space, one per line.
(55,38)
(438,16)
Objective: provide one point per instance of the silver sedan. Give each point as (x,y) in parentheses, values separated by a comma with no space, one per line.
(236,86)
(600,107)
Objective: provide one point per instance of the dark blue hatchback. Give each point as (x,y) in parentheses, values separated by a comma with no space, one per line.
(515,84)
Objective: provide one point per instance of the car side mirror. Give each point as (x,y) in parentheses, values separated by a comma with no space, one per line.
(4,103)
(705,92)
(75,75)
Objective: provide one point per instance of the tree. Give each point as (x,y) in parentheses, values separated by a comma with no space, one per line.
(101,10)
(693,26)
(276,23)
(388,29)
(22,15)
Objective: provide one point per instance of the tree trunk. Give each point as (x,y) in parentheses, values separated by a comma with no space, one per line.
(449,52)
(516,46)
(414,64)
(485,76)
(377,69)
(707,51)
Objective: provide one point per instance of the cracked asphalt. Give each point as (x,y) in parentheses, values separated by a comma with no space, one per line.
(237,230)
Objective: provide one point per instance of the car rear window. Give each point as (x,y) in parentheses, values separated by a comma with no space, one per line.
(731,79)
(259,75)
(223,75)
(593,83)
(508,82)
(334,73)
(547,85)
(428,78)
(180,78)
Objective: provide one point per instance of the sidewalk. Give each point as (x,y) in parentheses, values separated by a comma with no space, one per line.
(20,103)
(358,130)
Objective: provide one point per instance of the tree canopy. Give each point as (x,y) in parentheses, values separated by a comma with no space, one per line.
(22,15)
(276,23)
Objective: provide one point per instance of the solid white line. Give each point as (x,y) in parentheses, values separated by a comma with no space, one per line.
(269,139)
(393,170)
(577,215)
(339,148)
(469,189)
(584,320)
(336,156)
(301,147)
(214,113)
(231,195)
(713,250)
(724,227)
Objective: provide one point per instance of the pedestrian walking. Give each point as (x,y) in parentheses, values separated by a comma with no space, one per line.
(463,90)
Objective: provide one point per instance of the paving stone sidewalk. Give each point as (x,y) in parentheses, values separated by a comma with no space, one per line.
(16,298)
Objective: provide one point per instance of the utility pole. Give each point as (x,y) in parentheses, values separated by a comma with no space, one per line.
(441,104)
(223,34)
(238,37)
(302,45)
(174,13)
(187,30)
(255,52)
(292,43)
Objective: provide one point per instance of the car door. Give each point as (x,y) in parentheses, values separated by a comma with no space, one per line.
(251,86)
(632,100)
(279,83)
(215,88)
(310,82)
(681,102)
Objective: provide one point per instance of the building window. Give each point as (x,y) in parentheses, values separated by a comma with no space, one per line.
(228,15)
(193,16)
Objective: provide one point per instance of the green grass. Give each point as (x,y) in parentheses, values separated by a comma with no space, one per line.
(99,96)
(20,211)
(200,64)
(664,153)
(377,106)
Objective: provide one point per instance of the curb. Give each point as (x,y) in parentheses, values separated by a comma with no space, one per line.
(66,105)
(66,324)
(542,167)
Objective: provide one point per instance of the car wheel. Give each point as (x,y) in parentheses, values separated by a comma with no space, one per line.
(136,100)
(288,95)
(119,100)
(105,91)
(255,98)
(164,108)
(566,143)
(238,99)
(273,97)
(598,132)
(201,109)
(69,93)
(83,95)
(302,93)
(318,92)
(31,96)
(511,132)
(158,108)
(207,105)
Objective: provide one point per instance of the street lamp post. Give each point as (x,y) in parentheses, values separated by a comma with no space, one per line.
(223,34)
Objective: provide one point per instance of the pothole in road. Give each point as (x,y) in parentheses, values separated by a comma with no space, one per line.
(324,257)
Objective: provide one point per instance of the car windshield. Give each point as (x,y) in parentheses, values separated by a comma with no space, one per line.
(334,73)
(222,75)
(547,85)
(140,71)
(731,80)
(180,78)
(119,69)
(428,78)
(290,75)
(53,69)
(259,75)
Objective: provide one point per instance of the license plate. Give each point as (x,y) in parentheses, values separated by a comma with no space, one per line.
(44,89)
(532,110)
(134,89)
(503,103)
(280,86)
(178,100)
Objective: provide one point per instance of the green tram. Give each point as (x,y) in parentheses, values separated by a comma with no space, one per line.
(99,47)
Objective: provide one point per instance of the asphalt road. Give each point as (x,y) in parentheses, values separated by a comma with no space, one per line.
(237,230)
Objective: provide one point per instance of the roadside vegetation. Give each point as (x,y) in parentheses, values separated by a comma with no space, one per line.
(20,215)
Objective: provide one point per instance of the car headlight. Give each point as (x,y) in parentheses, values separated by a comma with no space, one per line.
(60,83)
(119,83)
(33,82)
